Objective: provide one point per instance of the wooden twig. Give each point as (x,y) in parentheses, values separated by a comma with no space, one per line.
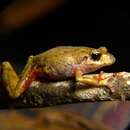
(116,86)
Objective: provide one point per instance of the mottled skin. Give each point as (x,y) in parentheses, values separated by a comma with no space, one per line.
(60,63)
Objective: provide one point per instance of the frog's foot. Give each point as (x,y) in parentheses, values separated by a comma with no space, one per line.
(94,81)
(9,78)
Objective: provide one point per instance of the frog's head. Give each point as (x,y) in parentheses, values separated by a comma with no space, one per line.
(98,58)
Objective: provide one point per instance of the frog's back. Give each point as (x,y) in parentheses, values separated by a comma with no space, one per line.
(65,51)
(58,62)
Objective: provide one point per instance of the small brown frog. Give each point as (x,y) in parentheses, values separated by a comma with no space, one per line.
(56,64)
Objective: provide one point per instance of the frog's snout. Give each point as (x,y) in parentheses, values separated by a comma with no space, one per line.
(113,58)
(108,59)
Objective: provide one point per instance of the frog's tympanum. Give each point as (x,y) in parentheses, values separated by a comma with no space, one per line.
(56,64)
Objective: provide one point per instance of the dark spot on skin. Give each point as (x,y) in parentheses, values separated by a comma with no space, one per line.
(85,58)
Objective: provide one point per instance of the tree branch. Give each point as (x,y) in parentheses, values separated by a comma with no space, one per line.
(115,86)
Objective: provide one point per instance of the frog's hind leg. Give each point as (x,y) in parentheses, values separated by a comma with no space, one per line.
(9,78)
(28,75)
(14,84)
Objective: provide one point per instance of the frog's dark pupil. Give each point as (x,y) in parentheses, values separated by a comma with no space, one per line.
(96,56)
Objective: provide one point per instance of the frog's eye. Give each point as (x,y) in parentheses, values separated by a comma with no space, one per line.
(96,56)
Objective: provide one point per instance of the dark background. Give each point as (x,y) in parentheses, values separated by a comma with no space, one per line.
(77,22)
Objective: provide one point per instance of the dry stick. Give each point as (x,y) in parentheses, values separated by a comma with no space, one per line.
(41,94)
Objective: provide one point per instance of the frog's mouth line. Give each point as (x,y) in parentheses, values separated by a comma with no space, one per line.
(98,71)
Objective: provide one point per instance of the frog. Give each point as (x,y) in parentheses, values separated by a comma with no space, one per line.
(57,64)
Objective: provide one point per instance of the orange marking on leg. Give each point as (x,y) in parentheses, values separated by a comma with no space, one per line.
(99,77)
(25,83)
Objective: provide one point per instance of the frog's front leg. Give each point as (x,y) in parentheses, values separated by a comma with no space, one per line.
(96,81)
